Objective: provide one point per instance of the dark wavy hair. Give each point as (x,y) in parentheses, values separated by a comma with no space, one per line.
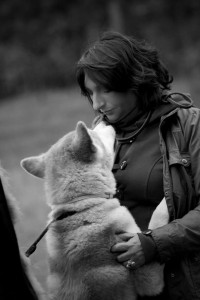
(120,63)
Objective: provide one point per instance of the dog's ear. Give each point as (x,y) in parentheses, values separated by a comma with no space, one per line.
(83,144)
(35,165)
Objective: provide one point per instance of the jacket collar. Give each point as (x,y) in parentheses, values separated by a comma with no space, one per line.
(179,99)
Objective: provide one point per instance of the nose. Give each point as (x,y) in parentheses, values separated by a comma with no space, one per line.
(97,101)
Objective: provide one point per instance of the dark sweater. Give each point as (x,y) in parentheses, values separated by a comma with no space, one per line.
(138,170)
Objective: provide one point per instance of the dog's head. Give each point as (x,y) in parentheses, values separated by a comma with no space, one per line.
(76,158)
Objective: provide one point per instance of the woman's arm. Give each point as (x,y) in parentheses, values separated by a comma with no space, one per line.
(183,235)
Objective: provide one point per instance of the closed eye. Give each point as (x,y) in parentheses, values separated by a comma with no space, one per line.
(89,92)
(105,89)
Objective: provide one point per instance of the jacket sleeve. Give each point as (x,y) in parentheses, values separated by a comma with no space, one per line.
(183,235)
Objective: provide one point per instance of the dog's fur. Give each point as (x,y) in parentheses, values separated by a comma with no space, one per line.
(78,177)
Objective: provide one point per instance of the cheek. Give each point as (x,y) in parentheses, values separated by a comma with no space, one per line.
(112,99)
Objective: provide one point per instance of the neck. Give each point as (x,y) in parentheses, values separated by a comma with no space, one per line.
(69,189)
(91,199)
(126,123)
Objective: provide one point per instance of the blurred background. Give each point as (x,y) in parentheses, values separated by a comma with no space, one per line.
(40,43)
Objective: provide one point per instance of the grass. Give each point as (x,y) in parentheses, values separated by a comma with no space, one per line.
(29,124)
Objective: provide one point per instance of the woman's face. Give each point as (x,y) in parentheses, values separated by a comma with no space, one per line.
(114,105)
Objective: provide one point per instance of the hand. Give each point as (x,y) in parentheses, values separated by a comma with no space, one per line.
(130,249)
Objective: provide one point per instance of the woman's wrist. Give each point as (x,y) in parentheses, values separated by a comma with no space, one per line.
(148,246)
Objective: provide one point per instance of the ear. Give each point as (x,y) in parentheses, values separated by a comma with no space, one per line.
(83,143)
(34,165)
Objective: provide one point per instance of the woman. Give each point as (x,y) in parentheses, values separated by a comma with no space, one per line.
(157,155)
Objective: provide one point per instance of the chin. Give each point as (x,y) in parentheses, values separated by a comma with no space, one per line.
(112,118)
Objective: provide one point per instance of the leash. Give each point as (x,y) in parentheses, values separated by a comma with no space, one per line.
(33,247)
(62,216)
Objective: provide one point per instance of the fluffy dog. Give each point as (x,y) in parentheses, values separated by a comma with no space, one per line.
(79,187)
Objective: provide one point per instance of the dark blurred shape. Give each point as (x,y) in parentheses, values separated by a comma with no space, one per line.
(41,40)
(14,283)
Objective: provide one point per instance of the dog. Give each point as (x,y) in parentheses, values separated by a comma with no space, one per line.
(86,219)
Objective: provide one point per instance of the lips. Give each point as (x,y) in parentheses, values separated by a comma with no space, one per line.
(107,112)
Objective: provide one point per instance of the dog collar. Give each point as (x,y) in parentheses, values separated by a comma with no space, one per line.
(81,198)
(62,216)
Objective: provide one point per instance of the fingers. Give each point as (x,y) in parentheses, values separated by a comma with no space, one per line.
(125,236)
(125,249)
(127,241)
(123,257)
(119,247)
(122,245)
(129,250)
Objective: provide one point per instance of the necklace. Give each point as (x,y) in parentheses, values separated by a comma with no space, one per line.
(128,140)
(133,136)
